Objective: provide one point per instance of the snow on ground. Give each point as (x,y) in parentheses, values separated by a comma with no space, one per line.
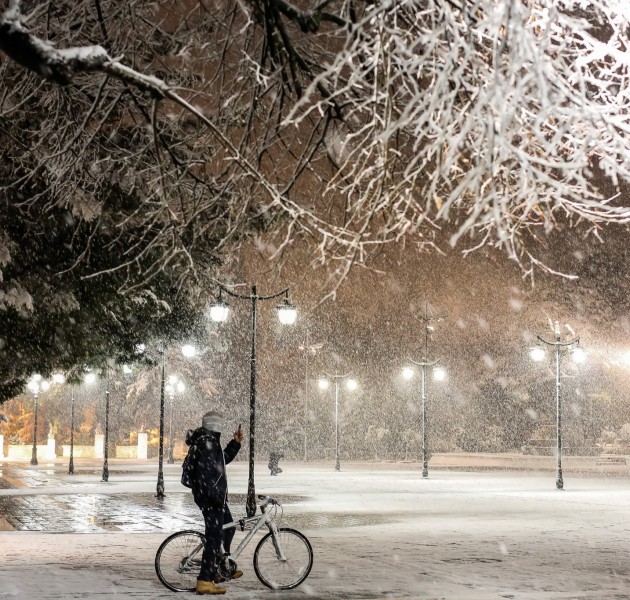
(468,536)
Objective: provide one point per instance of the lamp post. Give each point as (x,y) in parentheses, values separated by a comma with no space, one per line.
(174,385)
(538,354)
(351,385)
(308,349)
(89,379)
(71,462)
(188,351)
(160,481)
(37,384)
(105,476)
(287,314)
(438,373)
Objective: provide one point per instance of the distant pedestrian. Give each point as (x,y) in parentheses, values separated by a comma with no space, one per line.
(208,478)
(274,459)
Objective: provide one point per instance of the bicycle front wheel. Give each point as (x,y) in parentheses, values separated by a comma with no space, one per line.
(283,574)
(178,560)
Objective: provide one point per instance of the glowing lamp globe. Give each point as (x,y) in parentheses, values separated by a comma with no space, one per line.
(219,311)
(287,313)
(439,374)
(578,355)
(537,354)
(188,350)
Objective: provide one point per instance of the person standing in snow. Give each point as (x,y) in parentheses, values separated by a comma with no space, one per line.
(274,459)
(209,488)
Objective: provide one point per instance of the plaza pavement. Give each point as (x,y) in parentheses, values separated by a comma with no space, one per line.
(378,531)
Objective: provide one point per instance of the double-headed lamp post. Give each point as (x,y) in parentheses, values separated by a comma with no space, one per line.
(174,385)
(89,378)
(188,351)
(439,374)
(309,350)
(287,314)
(37,384)
(351,385)
(105,474)
(538,354)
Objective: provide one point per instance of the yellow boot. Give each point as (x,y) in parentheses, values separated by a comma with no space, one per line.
(208,587)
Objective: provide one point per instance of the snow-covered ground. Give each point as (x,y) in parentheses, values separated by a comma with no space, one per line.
(377,531)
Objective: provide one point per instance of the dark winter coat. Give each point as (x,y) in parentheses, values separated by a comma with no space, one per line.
(210,478)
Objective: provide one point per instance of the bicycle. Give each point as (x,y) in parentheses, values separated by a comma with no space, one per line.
(283,557)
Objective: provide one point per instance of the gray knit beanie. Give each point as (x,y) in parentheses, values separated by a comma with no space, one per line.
(213,421)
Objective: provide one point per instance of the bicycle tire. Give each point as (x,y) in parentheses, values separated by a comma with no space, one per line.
(170,567)
(266,559)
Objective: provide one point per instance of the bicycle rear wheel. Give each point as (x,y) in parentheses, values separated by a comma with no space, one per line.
(279,574)
(178,560)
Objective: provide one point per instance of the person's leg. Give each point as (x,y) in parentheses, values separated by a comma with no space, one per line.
(228,534)
(214,524)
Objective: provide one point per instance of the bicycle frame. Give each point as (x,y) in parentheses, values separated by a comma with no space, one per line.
(258,523)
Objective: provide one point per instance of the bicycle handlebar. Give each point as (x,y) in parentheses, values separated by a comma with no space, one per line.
(266,500)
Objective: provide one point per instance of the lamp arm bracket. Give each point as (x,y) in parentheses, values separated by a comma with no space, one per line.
(424,363)
(250,296)
(336,376)
(575,340)
(427,320)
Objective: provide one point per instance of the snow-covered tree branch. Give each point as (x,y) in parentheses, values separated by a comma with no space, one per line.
(347,122)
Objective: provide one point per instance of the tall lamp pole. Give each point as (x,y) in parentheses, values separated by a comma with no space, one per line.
(538,354)
(174,385)
(105,476)
(34,451)
(438,374)
(71,463)
(351,384)
(308,349)
(160,480)
(37,384)
(287,314)
(188,351)
(88,379)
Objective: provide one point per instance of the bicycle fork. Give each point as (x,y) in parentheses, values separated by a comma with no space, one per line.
(276,542)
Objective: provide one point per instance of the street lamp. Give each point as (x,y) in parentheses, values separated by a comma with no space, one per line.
(439,374)
(37,384)
(188,351)
(309,349)
(287,314)
(174,385)
(351,385)
(578,356)
(89,378)
(105,476)
(219,310)
(126,368)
